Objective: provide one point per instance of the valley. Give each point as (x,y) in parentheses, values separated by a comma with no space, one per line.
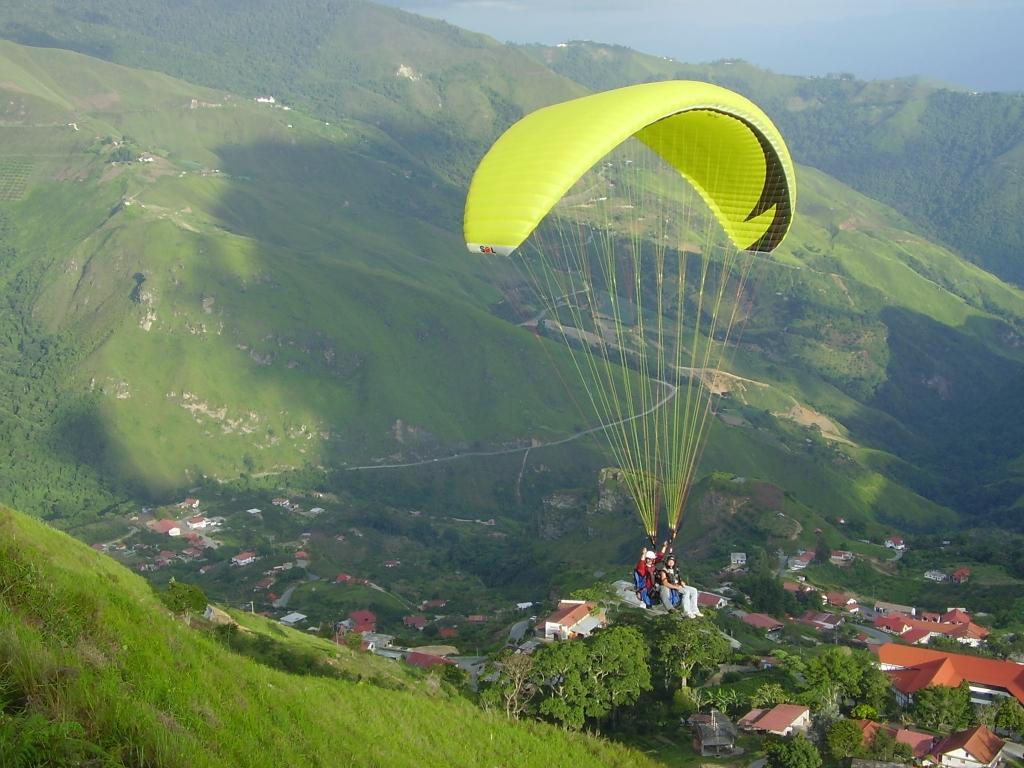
(245,355)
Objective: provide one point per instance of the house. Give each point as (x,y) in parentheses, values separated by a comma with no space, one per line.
(266,100)
(737,559)
(961,575)
(189,503)
(762,621)
(955,616)
(292,619)
(433,604)
(427,660)
(243,558)
(448,633)
(767,662)
(343,578)
(525,606)
(800,561)
(165,527)
(379,639)
(840,557)
(920,632)
(885,608)
(976,747)
(935,576)
(192,552)
(416,622)
(363,621)
(912,668)
(711,600)
(302,555)
(265,583)
(197,522)
(254,511)
(820,620)
(573,618)
(713,734)
(476,618)
(920,743)
(392,563)
(780,720)
(895,542)
(840,600)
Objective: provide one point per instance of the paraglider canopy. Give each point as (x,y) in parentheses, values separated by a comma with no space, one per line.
(720,141)
(640,263)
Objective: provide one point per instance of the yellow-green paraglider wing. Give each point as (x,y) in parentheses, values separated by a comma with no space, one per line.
(717,139)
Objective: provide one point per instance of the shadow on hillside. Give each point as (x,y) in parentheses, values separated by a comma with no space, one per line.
(948,395)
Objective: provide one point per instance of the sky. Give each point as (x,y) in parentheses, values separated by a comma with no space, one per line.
(971,43)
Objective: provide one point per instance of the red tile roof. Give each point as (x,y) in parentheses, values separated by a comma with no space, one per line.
(363,620)
(426,660)
(920,743)
(569,614)
(762,621)
(418,621)
(921,667)
(774,720)
(979,742)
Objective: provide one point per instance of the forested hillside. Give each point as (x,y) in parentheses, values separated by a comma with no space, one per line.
(238,289)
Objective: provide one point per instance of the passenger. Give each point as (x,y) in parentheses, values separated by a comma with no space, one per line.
(643,577)
(666,595)
(674,585)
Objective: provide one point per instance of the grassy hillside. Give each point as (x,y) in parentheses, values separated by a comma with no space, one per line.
(251,290)
(267,279)
(94,667)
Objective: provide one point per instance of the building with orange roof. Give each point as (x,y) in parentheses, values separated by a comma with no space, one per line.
(912,668)
(976,747)
(920,743)
(780,720)
(573,618)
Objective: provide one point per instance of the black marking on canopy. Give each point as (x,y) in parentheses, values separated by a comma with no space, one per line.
(775,193)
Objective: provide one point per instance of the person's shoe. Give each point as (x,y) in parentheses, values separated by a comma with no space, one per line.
(691,615)
(695,614)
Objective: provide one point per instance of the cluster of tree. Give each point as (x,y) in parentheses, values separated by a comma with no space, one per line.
(593,681)
(844,738)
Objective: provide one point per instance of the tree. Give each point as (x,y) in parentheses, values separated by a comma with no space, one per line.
(939,708)
(560,671)
(885,748)
(797,752)
(864,712)
(680,647)
(513,690)
(1010,716)
(768,695)
(619,670)
(184,599)
(844,738)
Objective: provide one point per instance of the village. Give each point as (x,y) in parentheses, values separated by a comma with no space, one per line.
(915,648)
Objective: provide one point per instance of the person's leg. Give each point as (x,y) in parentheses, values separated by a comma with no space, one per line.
(666,597)
(690,601)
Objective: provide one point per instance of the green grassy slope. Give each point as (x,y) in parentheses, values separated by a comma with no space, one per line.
(279,291)
(267,280)
(275,291)
(88,648)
